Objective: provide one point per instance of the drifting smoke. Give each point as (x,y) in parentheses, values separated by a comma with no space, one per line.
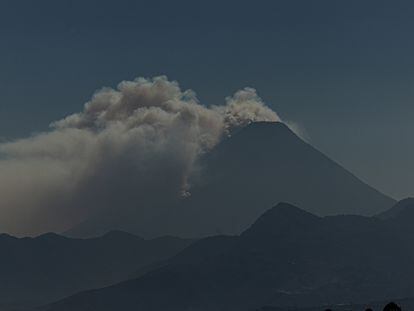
(129,145)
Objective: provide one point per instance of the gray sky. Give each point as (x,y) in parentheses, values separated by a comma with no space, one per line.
(341,70)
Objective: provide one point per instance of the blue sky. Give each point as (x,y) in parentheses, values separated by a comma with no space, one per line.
(342,70)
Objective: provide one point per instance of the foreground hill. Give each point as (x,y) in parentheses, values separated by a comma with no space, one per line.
(42,269)
(405,304)
(246,174)
(399,209)
(287,258)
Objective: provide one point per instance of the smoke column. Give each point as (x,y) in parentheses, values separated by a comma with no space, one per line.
(128,145)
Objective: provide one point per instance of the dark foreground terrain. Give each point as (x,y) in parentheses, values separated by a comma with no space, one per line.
(35,271)
(404,304)
(288,259)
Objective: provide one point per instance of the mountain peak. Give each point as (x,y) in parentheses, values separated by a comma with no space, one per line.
(51,236)
(284,209)
(265,131)
(119,234)
(401,207)
(406,203)
(269,125)
(280,218)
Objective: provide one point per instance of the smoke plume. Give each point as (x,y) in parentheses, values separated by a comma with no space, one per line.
(129,146)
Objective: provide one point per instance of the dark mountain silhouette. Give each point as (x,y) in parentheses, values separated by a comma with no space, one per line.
(399,209)
(287,258)
(401,217)
(262,164)
(405,304)
(48,267)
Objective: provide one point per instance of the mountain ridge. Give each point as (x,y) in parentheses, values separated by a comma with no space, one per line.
(401,206)
(330,261)
(37,270)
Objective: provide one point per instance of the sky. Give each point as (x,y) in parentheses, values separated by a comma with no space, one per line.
(341,71)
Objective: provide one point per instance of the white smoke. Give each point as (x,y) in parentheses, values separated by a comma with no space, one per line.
(132,143)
